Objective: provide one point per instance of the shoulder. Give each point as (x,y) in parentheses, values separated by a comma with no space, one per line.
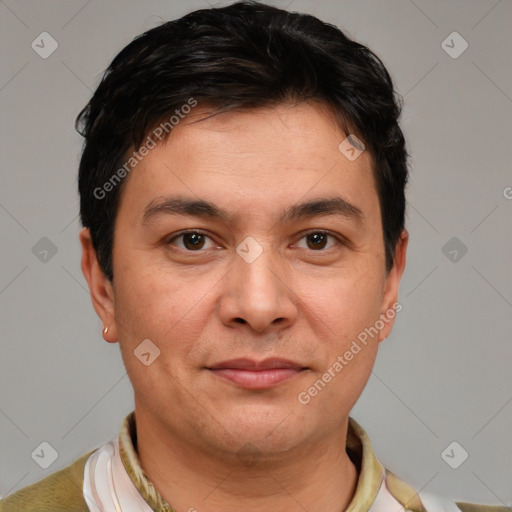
(425,502)
(59,492)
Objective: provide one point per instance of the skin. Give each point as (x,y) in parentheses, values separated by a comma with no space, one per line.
(296,301)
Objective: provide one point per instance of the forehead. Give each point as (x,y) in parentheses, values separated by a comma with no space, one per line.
(253,163)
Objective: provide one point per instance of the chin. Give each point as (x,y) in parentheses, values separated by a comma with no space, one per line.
(270,431)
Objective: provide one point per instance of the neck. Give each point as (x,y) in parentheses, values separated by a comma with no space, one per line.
(318,477)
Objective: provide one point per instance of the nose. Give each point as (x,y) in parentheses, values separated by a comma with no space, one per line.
(259,294)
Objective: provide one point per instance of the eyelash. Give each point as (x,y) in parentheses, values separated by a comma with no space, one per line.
(338,238)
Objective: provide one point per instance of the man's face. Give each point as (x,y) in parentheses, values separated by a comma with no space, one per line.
(258,283)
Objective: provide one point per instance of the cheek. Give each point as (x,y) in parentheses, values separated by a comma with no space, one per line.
(342,313)
(171,312)
(341,308)
(157,308)
(357,302)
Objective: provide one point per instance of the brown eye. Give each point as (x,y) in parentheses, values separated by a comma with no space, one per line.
(191,241)
(318,240)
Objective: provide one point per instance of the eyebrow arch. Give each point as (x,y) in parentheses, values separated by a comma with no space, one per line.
(204,209)
(323,206)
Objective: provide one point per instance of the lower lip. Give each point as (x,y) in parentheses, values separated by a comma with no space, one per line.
(257,379)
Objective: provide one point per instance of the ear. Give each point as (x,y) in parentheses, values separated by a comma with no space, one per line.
(100,288)
(390,306)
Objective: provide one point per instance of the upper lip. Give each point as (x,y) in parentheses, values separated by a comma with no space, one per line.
(251,364)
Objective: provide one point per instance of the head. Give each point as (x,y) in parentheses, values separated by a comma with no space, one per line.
(272,139)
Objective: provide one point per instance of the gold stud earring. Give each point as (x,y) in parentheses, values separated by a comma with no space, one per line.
(105,330)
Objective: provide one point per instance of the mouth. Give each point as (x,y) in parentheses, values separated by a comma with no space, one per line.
(250,374)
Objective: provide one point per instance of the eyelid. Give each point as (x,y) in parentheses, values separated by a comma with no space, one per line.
(339,238)
(186,231)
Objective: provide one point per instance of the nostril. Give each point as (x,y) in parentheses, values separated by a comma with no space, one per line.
(240,320)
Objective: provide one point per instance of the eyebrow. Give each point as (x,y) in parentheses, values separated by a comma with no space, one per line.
(204,209)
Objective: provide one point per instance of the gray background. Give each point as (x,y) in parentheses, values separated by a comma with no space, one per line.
(444,373)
